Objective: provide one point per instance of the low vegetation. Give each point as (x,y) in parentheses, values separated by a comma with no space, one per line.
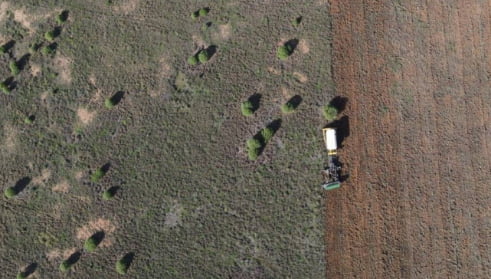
(192,60)
(21,275)
(65,266)
(287,107)
(5,88)
(330,112)
(203,56)
(10,192)
(266,134)
(284,52)
(109,103)
(91,244)
(253,147)
(14,68)
(97,175)
(50,35)
(247,108)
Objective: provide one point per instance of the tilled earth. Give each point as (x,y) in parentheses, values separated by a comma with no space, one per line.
(417,202)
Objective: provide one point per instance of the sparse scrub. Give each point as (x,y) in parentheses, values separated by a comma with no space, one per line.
(5,88)
(90,244)
(61,18)
(97,175)
(287,108)
(284,51)
(330,112)
(203,11)
(203,56)
(267,134)
(247,108)
(253,146)
(10,192)
(14,68)
(109,103)
(192,60)
(47,50)
(50,36)
(65,265)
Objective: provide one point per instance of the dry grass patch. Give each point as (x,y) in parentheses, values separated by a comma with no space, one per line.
(128,6)
(300,77)
(94,226)
(10,140)
(85,115)
(35,69)
(63,66)
(61,187)
(303,46)
(43,178)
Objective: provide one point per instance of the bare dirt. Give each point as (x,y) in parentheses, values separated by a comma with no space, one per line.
(417,202)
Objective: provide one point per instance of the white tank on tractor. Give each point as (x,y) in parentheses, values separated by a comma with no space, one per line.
(331,173)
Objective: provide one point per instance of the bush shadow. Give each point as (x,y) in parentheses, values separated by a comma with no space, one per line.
(98,237)
(342,129)
(21,184)
(8,45)
(22,63)
(10,83)
(255,100)
(30,269)
(295,101)
(292,44)
(128,259)
(64,15)
(275,125)
(339,103)
(113,190)
(211,50)
(117,97)
(73,259)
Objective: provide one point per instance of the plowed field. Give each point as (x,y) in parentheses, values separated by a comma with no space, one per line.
(417,202)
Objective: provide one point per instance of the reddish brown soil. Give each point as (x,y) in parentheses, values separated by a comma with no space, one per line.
(417,203)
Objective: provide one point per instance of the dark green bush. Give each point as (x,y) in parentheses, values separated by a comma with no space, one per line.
(50,35)
(247,108)
(267,134)
(109,103)
(65,265)
(97,175)
(330,112)
(5,88)
(195,15)
(47,50)
(14,68)
(253,146)
(203,56)
(203,11)
(192,60)
(90,244)
(287,108)
(284,51)
(108,194)
(10,192)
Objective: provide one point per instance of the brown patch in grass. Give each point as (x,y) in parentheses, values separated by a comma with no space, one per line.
(97,225)
(58,254)
(79,175)
(85,115)
(225,31)
(303,46)
(165,68)
(128,6)
(274,71)
(43,178)
(300,77)
(10,138)
(25,20)
(93,80)
(35,70)
(61,187)
(198,41)
(4,6)
(63,66)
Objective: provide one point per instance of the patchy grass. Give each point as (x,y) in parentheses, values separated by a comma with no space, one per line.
(179,158)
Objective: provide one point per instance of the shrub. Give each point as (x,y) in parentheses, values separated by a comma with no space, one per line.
(203,11)
(47,50)
(14,68)
(10,192)
(283,52)
(253,146)
(267,134)
(29,119)
(330,112)
(5,88)
(192,60)
(3,49)
(109,103)
(61,18)
(203,56)
(287,108)
(50,35)
(195,15)
(21,275)
(97,175)
(247,108)
(90,244)
(122,266)
(108,194)
(65,265)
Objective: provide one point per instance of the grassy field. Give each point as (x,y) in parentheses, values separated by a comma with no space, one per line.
(188,202)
